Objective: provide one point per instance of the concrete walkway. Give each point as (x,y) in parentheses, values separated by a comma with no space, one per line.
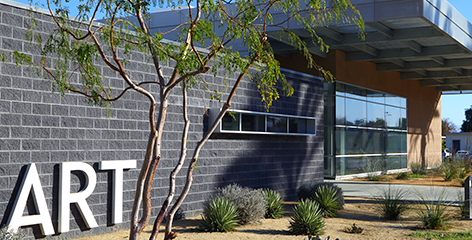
(412,192)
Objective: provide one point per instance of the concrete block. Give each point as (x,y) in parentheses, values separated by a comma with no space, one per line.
(10,119)
(10,94)
(50,121)
(10,144)
(35,132)
(31,120)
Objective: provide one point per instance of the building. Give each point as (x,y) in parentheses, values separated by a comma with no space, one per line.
(381,114)
(459,141)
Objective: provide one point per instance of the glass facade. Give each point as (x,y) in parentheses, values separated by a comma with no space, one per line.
(365,130)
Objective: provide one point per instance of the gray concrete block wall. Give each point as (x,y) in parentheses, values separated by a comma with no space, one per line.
(38,126)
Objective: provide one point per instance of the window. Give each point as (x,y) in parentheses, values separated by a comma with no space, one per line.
(368,132)
(238,121)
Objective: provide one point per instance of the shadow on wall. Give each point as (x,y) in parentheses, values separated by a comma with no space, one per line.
(277,162)
(420,131)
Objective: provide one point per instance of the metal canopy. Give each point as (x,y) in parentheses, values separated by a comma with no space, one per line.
(425,40)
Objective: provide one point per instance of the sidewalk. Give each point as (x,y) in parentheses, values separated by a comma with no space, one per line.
(413,192)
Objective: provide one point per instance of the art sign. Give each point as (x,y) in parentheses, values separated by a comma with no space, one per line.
(31,184)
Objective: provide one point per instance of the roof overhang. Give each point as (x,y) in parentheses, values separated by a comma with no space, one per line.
(425,40)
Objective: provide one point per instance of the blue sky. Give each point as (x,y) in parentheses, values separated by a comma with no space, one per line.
(453,106)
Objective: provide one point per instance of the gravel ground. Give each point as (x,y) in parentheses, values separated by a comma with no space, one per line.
(362,212)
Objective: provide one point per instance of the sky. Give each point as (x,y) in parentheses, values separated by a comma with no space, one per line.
(453,106)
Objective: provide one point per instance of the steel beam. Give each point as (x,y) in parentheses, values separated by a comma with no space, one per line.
(437,75)
(449,50)
(447,64)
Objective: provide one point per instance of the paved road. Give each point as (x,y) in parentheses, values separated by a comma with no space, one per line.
(412,192)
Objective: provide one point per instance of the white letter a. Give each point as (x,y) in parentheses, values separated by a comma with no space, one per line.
(30,182)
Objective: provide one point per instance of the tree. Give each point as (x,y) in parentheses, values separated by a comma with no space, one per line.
(467,123)
(447,126)
(77,44)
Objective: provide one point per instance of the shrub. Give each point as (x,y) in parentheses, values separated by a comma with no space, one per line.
(274,204)
(250,203)
(448,171)
(373,177)
(391,205)
(417,168)
(327,200)
(9,235)
(433,214)
(219,215)
(307,191)
(353,229)
(462,173)
(307,219)
(404,176)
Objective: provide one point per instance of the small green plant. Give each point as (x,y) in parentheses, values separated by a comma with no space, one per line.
(250,203)
(307,191)
(327,200)
(404,176)
(353,229)
(432,214)
(274,204)
(10,235)
(462,173)
(442,235)
(461,202)
(373,177)
(448,171)
(391,204)
(418,168)
(220,215)
(415,175)
(307,219)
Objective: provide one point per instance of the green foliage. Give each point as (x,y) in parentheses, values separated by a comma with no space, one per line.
(432,214)
(308,190)
(219,215)
(391,204)
(120,36)
(404,176)
(442,235)
(274,204)
(448,170)
(327,199)
(307,219)
(9,235)
(467,123)
(373,177)
(417,168)
(250,203)
(461,202)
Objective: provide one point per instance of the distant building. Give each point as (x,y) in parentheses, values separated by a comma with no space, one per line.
(459,141)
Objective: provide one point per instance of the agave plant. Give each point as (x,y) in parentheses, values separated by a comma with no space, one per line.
(220,215)
(327,200)
(307,219)
(274,204)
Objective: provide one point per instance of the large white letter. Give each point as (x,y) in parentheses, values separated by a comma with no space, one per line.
(117,202)
(30,182)
(66,197)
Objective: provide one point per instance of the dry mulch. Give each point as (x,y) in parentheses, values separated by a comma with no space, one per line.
(362,212)
(359,211)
